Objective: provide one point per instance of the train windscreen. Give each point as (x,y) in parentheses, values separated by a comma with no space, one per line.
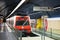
(19,23)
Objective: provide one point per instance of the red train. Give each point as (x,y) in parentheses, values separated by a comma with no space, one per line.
(20,23)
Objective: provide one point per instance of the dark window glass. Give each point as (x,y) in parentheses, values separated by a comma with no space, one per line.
(18,23)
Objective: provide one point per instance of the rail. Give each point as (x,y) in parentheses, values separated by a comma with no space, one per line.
(48,34)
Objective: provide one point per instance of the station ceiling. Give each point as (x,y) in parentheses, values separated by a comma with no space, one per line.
(7,6)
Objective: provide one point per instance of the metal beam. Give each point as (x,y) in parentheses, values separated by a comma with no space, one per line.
(20,3)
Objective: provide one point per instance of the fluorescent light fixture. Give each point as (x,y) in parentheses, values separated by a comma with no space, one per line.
(56,18)
(56,8)
(20,3)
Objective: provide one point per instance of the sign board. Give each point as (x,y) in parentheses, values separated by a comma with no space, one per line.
(36,8)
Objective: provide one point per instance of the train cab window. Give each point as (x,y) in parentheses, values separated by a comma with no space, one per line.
(18,23)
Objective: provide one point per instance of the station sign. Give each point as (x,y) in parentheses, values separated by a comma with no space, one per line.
(37,8)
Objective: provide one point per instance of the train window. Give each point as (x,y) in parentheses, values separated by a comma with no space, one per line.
(18,23)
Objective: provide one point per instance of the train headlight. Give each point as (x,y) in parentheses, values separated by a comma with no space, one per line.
(22,27)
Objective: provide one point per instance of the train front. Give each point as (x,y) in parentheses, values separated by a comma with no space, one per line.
(23,24)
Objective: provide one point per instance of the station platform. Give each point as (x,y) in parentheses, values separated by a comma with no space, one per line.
(8,35)
(5,34)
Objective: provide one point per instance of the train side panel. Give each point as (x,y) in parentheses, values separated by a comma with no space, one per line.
(11,21)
